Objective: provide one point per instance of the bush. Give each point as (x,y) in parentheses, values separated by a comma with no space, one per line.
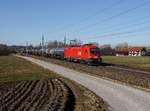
(4,50)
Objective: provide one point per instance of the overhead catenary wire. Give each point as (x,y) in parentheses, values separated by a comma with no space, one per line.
(113,16)
(133,35)
(122,32)
(135,24)
(118,15)
(137,36)
(118,2)
(127,25)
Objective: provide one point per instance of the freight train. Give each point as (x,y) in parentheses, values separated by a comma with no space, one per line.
(89,54)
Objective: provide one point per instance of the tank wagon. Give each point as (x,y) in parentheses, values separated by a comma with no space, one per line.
(57,52)
(87,54)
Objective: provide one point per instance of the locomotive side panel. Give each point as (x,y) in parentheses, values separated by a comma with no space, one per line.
(89,54)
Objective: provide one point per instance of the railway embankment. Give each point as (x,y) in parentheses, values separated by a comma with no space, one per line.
(108,71)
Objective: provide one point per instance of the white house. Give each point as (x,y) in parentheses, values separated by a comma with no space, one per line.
(131,51)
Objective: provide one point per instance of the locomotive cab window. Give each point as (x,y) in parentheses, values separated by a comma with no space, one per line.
(95,51)
(86,52)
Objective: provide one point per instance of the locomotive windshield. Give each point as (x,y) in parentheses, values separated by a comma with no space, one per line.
(95,51)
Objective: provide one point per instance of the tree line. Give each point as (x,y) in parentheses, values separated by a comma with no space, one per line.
(5,50)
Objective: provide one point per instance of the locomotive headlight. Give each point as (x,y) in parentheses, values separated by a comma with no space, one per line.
(95,57)
(79,53)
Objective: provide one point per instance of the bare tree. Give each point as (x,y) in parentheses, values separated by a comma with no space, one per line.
(107,50)
(4,49)
(122,45)
(75,42)
(55,44)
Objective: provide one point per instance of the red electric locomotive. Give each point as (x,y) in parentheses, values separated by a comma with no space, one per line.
(86,53)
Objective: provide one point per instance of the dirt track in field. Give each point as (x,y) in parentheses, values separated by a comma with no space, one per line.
(37,95)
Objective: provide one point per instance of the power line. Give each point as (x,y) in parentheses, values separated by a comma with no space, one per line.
(147,33)
(132,35)
(127,25)
(115,16)
(99,12)
(122,33)
(103,10)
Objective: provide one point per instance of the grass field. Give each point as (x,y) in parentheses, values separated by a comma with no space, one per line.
(13,68)
(133,62)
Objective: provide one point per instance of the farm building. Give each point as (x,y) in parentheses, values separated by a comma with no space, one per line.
(121,51)
(107,50)
(131,51)
(148,51)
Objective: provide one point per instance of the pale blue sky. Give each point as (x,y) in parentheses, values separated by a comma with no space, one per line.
(87,20)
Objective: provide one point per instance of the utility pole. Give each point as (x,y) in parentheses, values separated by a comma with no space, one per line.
(42,41)
(65,40)
(26,48)
(42,44)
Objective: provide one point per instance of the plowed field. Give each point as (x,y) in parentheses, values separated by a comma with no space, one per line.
(36,95)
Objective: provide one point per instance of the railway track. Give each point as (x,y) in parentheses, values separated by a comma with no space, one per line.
(102,65)
(128,69)
(124,68)
(107,66)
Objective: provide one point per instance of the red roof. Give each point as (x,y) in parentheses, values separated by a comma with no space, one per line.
(135,49)
(121,49)
(130,49)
